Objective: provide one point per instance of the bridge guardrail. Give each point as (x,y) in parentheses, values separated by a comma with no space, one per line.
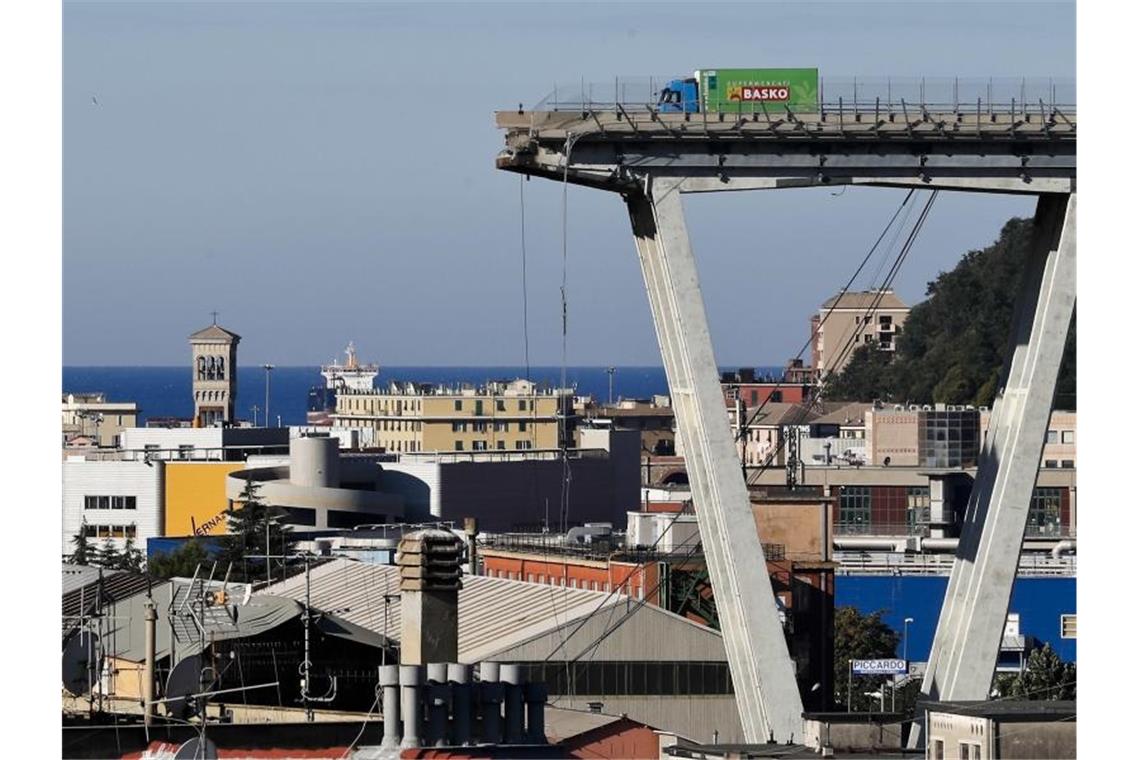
(853,95)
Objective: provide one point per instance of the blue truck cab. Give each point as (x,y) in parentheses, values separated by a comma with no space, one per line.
(680,96)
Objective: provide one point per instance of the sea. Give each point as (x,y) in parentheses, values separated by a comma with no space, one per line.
(165,391)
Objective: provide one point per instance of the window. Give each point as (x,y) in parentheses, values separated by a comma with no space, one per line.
(1068,464)
(522,426)
(478,445)
(854,509)
(500,405)
(1068,436)
(479,406)
(1044,513)
(185,450)
(1051,436)
(937,750)
(458,405)
(501,445)
(522,405)
(459,445)
(1050,463)
(1069,626)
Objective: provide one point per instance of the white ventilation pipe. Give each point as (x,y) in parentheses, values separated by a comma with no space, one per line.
(535,694)
(390,684)
(411,680)
(1069,547)
(513,706)
(459,676)
(437,700)
(491,693)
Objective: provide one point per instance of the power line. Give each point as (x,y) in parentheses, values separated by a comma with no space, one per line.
(851,342)
(835,303)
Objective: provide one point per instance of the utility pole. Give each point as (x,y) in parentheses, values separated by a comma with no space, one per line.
(610,371)
(268,368)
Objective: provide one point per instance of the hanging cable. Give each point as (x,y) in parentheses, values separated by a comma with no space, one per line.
(522,246)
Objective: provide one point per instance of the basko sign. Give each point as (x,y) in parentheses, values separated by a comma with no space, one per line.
(878,667)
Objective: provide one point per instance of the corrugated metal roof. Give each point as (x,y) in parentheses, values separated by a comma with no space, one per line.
(77,576)
(495,614)
(81,591)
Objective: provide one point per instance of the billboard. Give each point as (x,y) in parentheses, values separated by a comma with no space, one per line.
(878,667)
(759,90)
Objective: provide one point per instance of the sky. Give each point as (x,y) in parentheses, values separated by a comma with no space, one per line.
(324,172)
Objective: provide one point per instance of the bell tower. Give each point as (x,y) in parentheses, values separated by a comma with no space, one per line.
(213,352)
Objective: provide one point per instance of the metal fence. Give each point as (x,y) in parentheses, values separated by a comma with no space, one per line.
(848,95)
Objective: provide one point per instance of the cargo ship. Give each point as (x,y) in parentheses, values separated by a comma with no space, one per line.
(352,375)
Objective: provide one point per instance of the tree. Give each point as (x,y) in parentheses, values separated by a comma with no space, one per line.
(82,554)
(253,528)
(952,346)
(108,555)
(131,558)
(182,562)
(860,637)
(1046,677)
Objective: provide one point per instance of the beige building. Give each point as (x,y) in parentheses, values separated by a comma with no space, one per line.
(214,355)
(873,318)
(1060,439)
(409,417)
(90,417)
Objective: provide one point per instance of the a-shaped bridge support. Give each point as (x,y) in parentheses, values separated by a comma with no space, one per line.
(970,627)
(762,672)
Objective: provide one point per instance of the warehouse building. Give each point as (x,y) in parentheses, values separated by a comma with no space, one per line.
(589,646)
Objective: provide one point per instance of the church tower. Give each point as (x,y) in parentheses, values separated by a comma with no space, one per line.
(214,354)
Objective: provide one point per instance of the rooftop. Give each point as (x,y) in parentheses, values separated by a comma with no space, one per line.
(495,614)
(864,299)
(215,332)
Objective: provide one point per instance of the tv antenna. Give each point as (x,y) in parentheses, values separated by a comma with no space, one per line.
(305,668)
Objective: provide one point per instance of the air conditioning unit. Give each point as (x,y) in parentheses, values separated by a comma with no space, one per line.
(899,408)
(927,408)
(913,407)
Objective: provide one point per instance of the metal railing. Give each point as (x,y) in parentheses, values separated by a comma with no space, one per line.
(897,563)
(852,95)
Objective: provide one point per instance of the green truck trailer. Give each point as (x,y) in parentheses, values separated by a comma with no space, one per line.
(746,90)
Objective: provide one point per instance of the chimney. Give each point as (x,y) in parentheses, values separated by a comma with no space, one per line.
(429,597)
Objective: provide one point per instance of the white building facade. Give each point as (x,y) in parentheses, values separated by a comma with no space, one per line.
(111,499)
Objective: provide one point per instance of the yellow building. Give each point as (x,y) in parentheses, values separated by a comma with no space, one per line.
(410,417)
(195,494)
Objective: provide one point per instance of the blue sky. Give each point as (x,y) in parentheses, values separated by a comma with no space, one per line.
(324,172)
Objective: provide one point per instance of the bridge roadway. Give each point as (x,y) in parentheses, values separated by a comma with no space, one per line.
(650,159)
(1010,151)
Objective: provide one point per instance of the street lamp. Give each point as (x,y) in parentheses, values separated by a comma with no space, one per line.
(906,625)
(610,371)
(268,368)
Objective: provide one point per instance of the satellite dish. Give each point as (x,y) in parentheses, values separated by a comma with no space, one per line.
(80,660)
(186,679)
(198,748)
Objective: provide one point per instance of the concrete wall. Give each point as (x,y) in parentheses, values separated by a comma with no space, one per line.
(112,478)
(802,527)
(1037,741)
(698,718)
